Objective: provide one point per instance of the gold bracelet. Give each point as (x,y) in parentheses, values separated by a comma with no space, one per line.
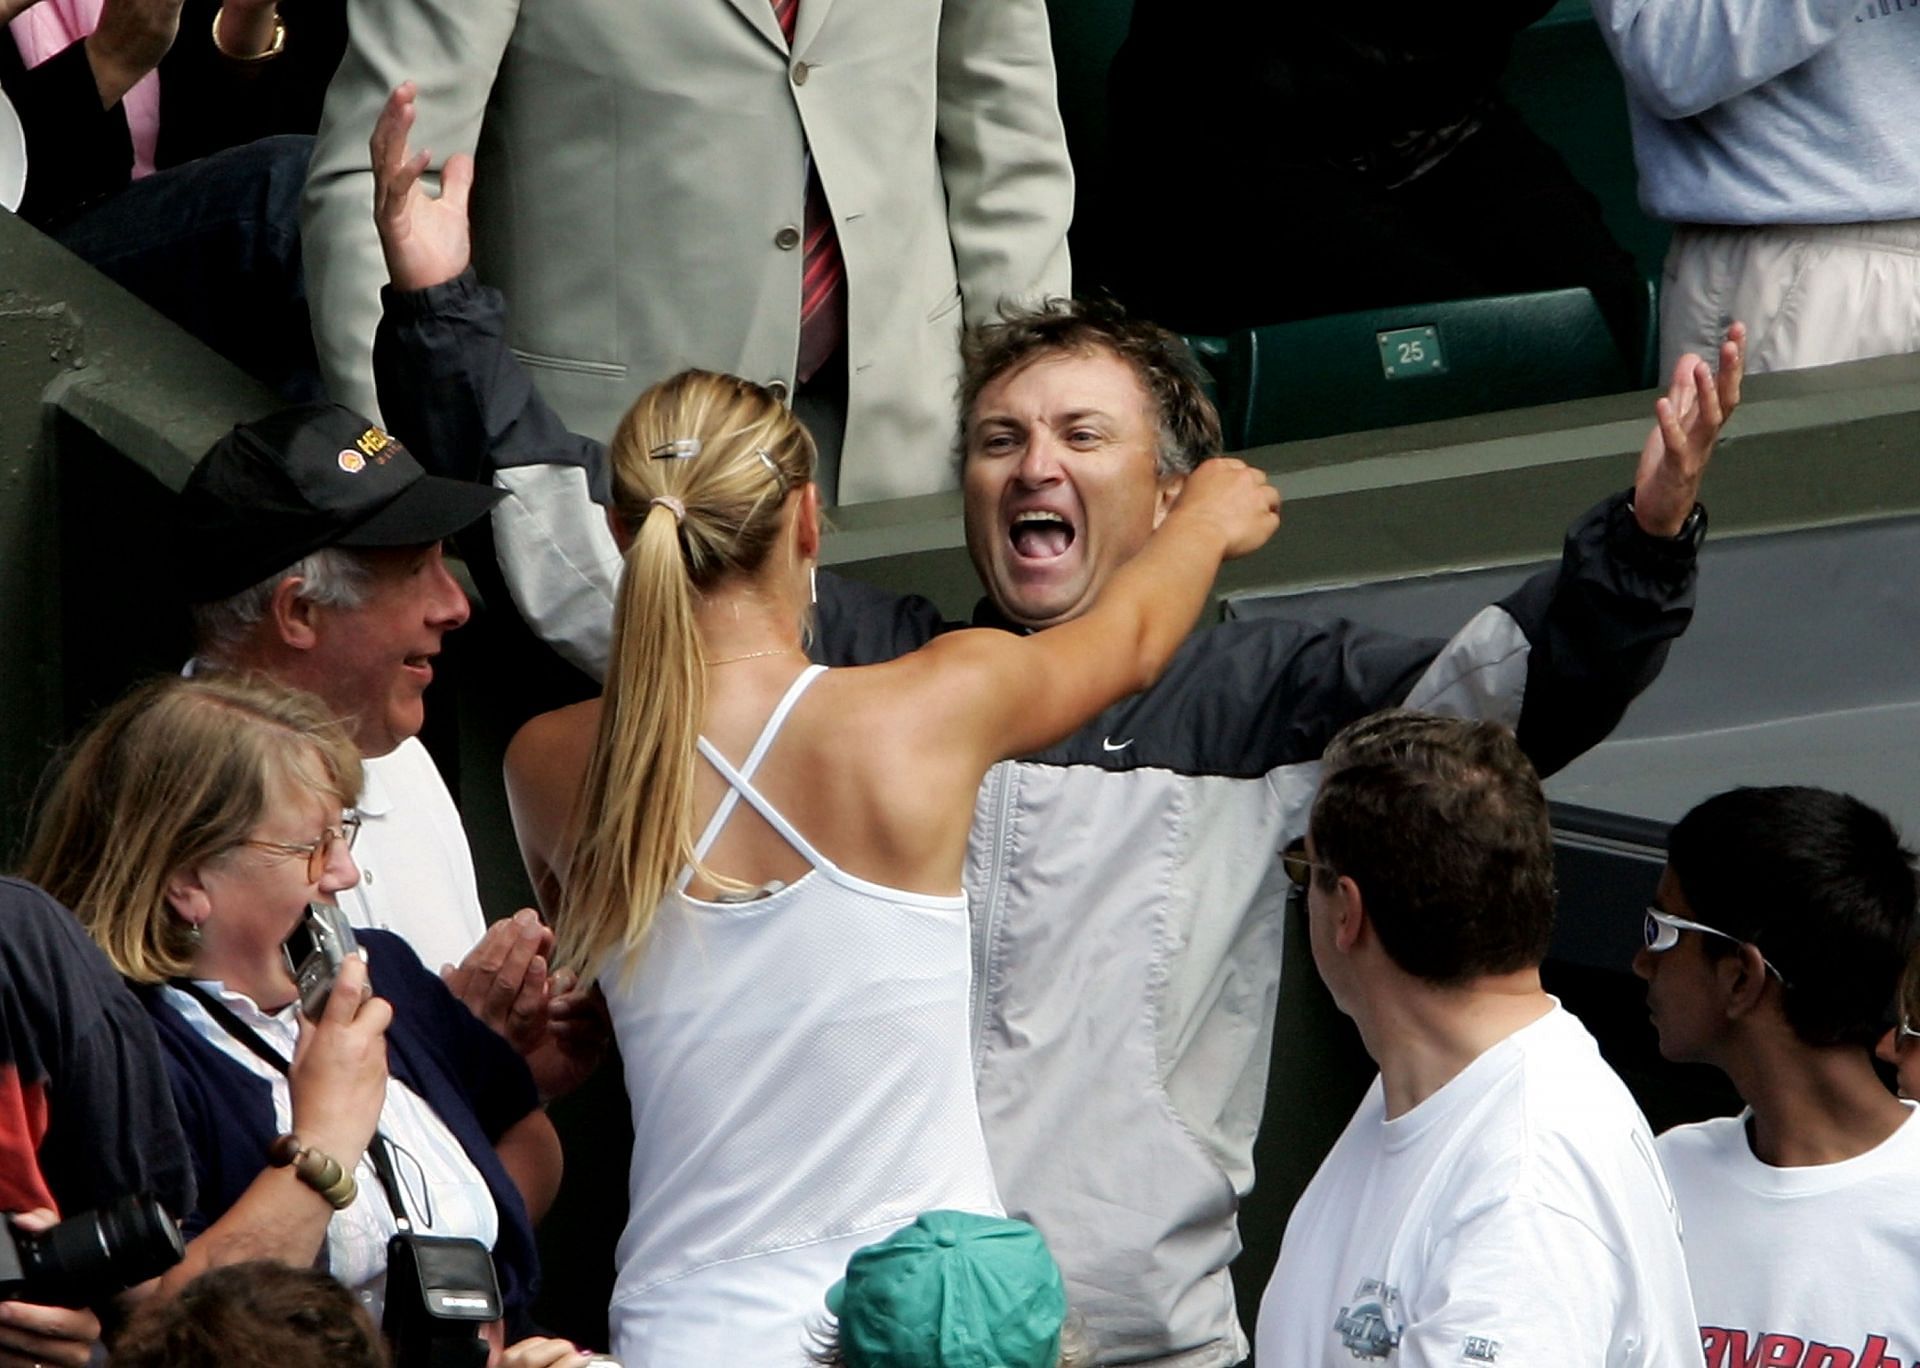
(321,1172)
(274,49)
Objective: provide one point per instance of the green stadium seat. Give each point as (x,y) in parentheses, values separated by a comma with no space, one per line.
(1211,353)
(1564,84)
(1419,363)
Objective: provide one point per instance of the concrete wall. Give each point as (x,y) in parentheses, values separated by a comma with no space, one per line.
(103,405)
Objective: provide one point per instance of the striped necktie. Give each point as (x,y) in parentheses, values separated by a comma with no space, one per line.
(823,273)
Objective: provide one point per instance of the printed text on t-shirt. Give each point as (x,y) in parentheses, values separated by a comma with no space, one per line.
(1740,1349)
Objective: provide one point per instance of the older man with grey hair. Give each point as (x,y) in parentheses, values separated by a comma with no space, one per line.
(312,556)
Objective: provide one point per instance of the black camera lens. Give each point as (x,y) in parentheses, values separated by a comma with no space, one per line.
(89,1257)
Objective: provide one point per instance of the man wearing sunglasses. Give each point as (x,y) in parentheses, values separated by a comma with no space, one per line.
(1774,951)
(1495,1199)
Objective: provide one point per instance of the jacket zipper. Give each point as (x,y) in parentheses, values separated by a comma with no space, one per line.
(1000,807)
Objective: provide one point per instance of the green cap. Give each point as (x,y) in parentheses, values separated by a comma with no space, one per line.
(952,1290)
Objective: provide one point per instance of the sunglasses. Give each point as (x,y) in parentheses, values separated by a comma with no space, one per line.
(1902,1033)
(1299,868)
(315,851)
(1663,933)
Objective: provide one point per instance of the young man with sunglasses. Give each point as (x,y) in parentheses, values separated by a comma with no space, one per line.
(1900,1046)
(1495,1199)
(1774,952)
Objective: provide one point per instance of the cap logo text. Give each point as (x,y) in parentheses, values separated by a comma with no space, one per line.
(372,442)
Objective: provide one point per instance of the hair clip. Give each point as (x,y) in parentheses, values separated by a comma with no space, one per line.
(679,449)
(766,459)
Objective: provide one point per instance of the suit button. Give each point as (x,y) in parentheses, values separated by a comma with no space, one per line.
(787,238)
(800,73)
(778,389)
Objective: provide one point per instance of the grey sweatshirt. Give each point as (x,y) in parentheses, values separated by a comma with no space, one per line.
(1771,111)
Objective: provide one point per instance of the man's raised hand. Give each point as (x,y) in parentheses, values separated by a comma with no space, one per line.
(1237,498)
(425,239)
(503,979)
(1687,423)
(557,1024)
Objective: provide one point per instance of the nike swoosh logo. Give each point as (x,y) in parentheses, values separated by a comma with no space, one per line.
(1107,744)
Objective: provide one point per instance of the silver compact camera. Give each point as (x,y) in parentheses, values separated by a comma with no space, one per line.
(315,951)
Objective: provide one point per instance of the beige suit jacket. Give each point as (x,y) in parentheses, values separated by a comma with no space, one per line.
(640,163)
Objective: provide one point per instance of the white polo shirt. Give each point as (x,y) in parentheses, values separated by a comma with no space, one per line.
(416,869)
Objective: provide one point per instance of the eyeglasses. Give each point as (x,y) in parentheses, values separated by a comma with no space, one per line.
(1902,1032)
(1299,868)
(1663,933)
(315,851)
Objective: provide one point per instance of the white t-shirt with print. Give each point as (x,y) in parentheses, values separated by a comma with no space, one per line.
(1515,1217)
(1814,1267)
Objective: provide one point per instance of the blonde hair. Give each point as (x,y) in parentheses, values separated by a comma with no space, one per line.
(174,774)
(701,467)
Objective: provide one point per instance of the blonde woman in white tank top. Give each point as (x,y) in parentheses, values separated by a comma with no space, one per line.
(761,861)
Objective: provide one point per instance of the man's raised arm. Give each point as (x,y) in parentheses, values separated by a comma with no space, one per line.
(452,50)
(451,388)
(1560,659)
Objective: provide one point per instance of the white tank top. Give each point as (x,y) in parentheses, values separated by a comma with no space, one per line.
(801,1085)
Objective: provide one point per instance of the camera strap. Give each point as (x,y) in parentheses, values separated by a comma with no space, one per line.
(378,1149)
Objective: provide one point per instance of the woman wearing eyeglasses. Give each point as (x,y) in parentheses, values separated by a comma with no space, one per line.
(1783,921)
(189,829)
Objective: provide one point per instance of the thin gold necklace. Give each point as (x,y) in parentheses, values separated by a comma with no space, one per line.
(756,655)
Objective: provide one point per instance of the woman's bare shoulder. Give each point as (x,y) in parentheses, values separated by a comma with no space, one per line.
(550,751)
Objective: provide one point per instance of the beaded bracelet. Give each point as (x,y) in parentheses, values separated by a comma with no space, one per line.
(321,1172)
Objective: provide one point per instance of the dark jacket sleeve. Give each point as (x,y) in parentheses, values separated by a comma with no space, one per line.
(1558,660)
(859,624)
(1598,628)
(77,152)
(1561,657)
(70,1029)
(451,388)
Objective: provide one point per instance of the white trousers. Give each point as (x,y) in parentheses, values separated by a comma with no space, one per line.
(1810,294)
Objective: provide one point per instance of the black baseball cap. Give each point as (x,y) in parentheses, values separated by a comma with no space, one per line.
(316,475)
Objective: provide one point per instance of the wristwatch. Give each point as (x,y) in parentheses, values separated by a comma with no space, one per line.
(1692,532)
